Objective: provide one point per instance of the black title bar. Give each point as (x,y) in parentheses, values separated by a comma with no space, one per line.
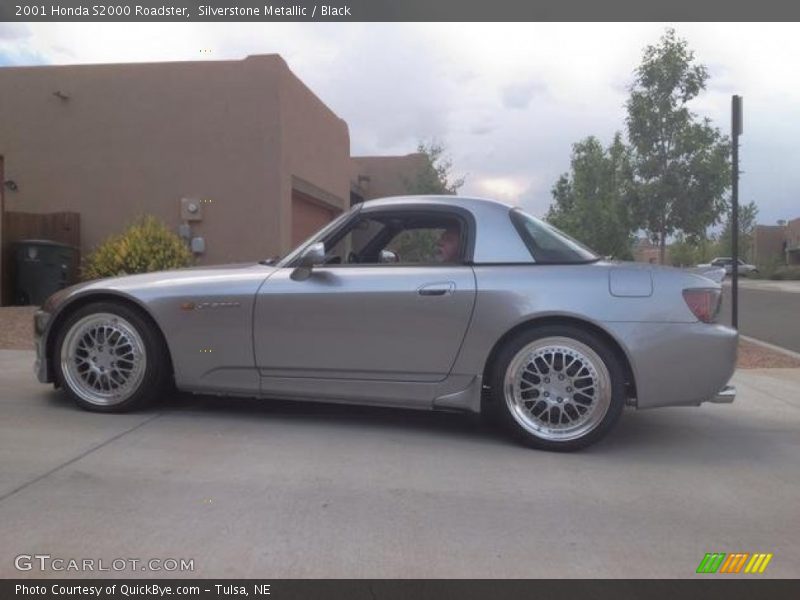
(706,587)
(396,10)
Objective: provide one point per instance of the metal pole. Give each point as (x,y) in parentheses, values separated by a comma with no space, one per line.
(736,130)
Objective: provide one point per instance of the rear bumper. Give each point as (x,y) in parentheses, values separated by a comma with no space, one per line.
(679,364)
(725,396)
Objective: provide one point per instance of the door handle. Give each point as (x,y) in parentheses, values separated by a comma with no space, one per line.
(437,289)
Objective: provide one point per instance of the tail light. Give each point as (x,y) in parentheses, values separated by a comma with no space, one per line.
(704,303)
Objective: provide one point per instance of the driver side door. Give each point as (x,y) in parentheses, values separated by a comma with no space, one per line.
(358,327)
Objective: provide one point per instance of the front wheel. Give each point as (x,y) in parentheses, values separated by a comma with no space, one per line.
(109,358)
(558,387)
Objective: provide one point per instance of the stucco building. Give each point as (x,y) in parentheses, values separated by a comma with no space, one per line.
(381,176)
(777,244)
(239,153)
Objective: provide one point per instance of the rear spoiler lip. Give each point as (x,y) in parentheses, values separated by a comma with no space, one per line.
(715,274)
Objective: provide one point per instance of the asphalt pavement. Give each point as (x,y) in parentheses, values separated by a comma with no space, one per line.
(768,311)
(248,488)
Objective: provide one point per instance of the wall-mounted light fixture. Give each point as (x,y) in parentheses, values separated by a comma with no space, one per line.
(11,185)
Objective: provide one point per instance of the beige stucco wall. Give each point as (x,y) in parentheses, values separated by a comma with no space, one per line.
(316,150)
(768,244)
(136,138)
(793,233)
(388,175)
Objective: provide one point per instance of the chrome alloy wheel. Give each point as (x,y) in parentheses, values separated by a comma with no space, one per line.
(103,359)
(557,388)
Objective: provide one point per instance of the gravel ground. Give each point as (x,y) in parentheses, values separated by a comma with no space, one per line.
(16,327)
(16,331)
(753,356)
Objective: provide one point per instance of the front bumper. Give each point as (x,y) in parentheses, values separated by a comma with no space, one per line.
(725,396)
(41,320)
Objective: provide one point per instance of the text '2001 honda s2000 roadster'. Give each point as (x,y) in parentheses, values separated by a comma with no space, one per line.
(433,302)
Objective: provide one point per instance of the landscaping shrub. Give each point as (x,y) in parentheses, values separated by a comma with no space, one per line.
(767,269)
(785,273)
(147,245)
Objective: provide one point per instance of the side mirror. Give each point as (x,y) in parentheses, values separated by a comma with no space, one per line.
(311,257)
(388,256)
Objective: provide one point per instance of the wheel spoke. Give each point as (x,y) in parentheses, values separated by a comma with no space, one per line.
(555,388)
(103,359)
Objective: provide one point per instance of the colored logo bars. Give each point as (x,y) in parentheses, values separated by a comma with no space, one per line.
(719,562)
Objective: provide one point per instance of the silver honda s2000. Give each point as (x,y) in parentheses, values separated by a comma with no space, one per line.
(418,302)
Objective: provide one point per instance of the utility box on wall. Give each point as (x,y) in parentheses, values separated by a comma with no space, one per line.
(191,209)
(198,245)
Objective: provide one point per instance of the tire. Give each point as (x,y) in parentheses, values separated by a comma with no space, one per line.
(557,387)
(109,358)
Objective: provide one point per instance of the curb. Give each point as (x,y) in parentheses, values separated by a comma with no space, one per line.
(767,345)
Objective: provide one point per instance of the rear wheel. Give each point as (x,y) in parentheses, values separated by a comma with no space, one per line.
(110,359)
(558,387)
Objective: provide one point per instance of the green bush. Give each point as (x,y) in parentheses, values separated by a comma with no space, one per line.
(771,269)
(147,245)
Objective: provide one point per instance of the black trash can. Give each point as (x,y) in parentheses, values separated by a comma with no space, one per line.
(41,268)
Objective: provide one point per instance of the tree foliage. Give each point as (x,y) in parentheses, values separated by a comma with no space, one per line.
(592,201)
(680,162)
(684,252)
(748,214)
(435,176)
(701,249)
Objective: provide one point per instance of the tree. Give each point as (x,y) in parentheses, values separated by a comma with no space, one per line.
(680,162)
(748,214)
(433,178)
(435,175)
(687,253)
(592,201)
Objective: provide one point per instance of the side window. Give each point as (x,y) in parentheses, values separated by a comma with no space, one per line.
(399,239)
(352,245)
(428,245)
(546,243)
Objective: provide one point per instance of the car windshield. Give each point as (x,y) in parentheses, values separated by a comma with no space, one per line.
(547,244)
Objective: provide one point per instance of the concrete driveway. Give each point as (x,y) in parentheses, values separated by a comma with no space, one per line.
(257,489)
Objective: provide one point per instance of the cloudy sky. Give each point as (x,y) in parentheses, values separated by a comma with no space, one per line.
(508,100)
